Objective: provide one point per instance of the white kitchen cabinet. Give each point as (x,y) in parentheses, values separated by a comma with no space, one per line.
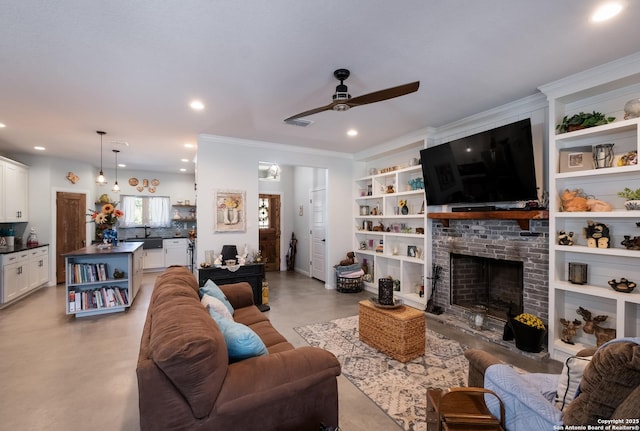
(153,258)
(38,267)
(175,252)
(14,275)
(24,271)
(15,191)
(605,90)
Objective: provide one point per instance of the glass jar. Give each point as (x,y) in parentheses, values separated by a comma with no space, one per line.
(478,317)
(32,239)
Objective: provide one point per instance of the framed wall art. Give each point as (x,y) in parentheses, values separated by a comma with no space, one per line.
(230,214)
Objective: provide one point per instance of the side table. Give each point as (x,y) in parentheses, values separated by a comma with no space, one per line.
(252,273)
(462,409)
(396,332)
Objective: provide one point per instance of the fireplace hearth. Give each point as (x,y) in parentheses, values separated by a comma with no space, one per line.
(523,257)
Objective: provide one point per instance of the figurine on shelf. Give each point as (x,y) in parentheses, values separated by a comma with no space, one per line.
(631,244)
(596,205)
(390,189)
(569,330)
(218,261)
(564,238)
(597,234)
(591,326)
(624,286)
(573,200)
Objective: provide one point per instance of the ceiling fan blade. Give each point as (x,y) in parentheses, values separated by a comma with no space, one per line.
(311,112)
(381,95)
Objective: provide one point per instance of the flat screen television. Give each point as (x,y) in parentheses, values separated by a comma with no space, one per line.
(494,166)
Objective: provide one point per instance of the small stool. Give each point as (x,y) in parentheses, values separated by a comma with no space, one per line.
(462,409)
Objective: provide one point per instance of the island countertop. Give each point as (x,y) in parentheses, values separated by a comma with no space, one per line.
(122,248)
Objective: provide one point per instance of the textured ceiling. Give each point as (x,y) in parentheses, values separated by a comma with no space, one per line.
(130,68)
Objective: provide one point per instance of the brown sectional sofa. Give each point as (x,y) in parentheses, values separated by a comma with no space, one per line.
(185,380)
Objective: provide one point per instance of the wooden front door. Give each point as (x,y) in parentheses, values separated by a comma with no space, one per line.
(269,230)
(71,210)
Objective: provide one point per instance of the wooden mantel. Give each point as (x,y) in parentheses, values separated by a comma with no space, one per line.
(522,217)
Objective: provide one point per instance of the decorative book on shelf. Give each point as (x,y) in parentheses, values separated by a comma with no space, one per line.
(104,297)
(88,272)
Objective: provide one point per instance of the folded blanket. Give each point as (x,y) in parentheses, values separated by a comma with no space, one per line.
(347,268)
(354,274)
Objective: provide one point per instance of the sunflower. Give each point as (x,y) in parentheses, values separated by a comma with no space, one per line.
(530,320)
(108,208)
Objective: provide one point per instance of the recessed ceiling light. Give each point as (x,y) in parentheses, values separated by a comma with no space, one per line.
(122,165)
(189,145)
(197,105)
(606,11)
(352,132)
(39,148)
(184,160)
(183,169)
(2,125)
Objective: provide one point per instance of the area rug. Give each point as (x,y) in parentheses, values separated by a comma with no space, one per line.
(399,389)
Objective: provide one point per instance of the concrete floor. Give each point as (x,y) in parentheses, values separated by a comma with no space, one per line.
(59,373)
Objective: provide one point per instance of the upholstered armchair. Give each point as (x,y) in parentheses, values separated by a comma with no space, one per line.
(608,387)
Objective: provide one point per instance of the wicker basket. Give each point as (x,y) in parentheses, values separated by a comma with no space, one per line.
(348,285)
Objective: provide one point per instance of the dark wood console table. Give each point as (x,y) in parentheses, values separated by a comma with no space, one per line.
(522,217)
(252,273)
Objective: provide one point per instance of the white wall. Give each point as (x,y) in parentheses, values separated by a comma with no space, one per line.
(231,164)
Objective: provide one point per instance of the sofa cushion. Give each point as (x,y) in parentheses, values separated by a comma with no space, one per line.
(190,352)
(215,304)
(614,373)
(570,379)
(242,342)
(212,289)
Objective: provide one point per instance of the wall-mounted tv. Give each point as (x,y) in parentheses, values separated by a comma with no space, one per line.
(489,167)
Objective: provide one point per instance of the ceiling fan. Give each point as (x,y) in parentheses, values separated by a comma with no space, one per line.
(342,99)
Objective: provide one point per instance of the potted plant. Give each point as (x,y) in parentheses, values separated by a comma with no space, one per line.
(632,197)
(582,121)
(528,331)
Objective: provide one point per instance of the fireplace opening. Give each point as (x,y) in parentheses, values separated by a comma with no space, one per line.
(495,283)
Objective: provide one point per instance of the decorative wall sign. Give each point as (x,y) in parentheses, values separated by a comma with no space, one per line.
(72,177)
(230,214)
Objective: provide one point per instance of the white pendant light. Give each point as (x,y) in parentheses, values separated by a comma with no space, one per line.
(101,179)
(116,187)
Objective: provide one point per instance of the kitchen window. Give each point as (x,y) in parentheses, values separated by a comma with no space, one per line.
(152,211)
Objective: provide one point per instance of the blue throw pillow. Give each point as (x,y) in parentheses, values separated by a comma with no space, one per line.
(242,342)
(212,289)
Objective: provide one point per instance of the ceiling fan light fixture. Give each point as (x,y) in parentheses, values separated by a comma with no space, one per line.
(101,180)
(341,107)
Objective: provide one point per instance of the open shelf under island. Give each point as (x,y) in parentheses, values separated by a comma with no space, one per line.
(102,280)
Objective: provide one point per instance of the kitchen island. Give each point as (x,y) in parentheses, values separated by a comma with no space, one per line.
(102,280)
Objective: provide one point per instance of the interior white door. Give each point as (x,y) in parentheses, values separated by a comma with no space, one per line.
(317,201)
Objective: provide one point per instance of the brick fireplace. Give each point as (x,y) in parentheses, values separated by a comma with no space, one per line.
(504,255)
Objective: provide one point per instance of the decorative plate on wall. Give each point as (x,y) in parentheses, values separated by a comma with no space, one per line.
(139,188)
(152,189)
(155,183)
(133,182)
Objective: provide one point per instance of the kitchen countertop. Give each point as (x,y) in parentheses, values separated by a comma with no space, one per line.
(19,248)
(123,247)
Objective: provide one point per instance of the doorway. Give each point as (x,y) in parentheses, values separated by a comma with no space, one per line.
(70,228)
(269,230)
(317,200)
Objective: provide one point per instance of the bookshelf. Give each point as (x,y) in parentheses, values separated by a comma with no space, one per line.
(100,281)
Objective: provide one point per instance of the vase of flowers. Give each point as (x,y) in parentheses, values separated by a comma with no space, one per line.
(404,209)
(106,221)
(528,331)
